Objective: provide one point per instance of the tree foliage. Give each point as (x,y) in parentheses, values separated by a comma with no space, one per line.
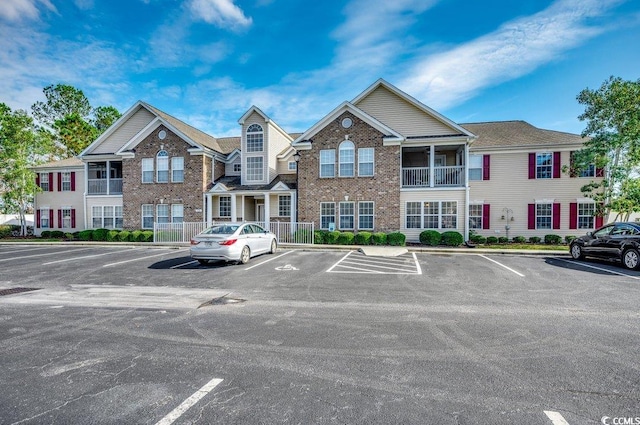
(612,115)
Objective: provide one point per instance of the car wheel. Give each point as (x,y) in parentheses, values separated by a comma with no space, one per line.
(245,255)
(274,247)
(203,262)
(576,252)
(631,258)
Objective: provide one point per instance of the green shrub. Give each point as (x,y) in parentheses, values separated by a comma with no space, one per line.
(57,234)
(479,239)
(147,236)
(332,237)
(45,234)
(124,235)
(5,231)
(100,234)
(503,239)
(69,236)
(492,240)
(552,239)
(112,235)
(135,236)
(519,239)
(451,238)
(430,237)
(396,239)
(345,238)
(363,238)
(85,235)
(535,239)
(379,238)
(568,239)
(319,236)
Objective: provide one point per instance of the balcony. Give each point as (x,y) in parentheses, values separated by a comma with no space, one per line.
(111,186)
(420,177)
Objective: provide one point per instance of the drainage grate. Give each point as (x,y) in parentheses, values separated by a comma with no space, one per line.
(223,300)
(16,290)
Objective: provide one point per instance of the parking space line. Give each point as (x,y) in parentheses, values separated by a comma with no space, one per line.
(26,249)
(556,418)
(378,266)
(88,256)
(578,263)
(501,265)
(138,259)
(183,264)
(339,261)
(188,403)
(42,255)
(360,263)
(415,258)
(270,259)
(368,271)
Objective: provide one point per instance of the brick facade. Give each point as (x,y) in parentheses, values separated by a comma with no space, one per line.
(197,174)
(383,188)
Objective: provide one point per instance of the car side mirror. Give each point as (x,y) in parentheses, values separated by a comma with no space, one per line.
(589,233)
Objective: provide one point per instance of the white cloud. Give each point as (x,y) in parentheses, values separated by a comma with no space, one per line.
(513,50)
(222,13)
(16,10)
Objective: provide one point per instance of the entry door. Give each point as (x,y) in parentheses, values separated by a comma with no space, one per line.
(260,213)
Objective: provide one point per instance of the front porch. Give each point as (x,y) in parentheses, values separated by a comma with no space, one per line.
(434,166)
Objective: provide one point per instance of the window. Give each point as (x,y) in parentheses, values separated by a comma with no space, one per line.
(65,214)
(147,216)
(108,217)
(328,163)
(327,215)
(118,217)
(254,138)
(347,157)
(237,168)
(44,182)
(365,215)
(475,216)
(365,162)
(346,215)
(431,210)
(162,166)
(590,171)
(177,169)
(292,165)
(414,215)
(586,215)
(96,217)
(475,167)
(162,213)
(544,165)
(543,216)
(65,181)
(225,206)
(177,213)
(45,218)
(254,168)
(147,170)
(284,205)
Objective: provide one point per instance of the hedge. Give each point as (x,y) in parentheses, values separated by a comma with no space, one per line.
(124,236)
(363,238)
(569,238)
(519,239)
(396,239)
(136,236)
(147,236)
(45,234)
(503,239)
(100,234)
(552,239)
(430,237)
(5,231)
(345,238)
(379,238)
(535,239)
(492,240)
(112,235)
(319,236)
(451,238)
(85,235)
(302,236)
(57,234)
(331,238)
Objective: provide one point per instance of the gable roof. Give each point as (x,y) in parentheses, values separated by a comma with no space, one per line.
(514,134)
(73,162)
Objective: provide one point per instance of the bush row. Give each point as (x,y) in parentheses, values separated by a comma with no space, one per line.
(102,235)
(435,238)
(548,239)
(360,238)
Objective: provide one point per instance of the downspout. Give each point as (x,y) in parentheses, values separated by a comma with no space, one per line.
(84,197)
(467,189)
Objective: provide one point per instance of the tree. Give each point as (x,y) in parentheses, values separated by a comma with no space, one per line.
(612,113)
(70,120)
(21,147)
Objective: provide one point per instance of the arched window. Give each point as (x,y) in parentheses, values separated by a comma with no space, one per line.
(255,138)
(346,157)
(162,167)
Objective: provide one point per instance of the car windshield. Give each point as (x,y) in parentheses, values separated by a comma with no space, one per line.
(221,230)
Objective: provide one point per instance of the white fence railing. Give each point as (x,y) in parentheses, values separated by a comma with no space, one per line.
(443,176)
(286,232)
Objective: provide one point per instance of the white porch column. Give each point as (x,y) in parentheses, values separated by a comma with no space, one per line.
(242,209)
(267,208)
(209,209)
(294,209)
(234,214)
(432,163)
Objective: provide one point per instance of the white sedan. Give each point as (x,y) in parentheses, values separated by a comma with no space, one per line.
(232,242)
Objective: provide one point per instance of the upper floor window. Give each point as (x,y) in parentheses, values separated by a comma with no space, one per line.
(255,138)
(475,167)
(544,165)
(292,165)
(237,168)
(328,163)
(65,181)
(147,170)
(162,167)
(347,158)
(177,169)
(590,171)
(44,182)
(365,162)
(254,168)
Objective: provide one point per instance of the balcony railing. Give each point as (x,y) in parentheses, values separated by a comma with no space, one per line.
(100,186)
(442,176)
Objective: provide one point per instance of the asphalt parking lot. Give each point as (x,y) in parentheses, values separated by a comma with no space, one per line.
(137,334)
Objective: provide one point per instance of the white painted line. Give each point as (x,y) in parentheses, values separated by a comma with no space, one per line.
(502,265)
(378,266)
(578,263)
(88,256)
(138,259)
(183,264)
(48,253)
(270,259)
(339,261)
(188,403)
(556,418)
(418,268)
(354,268)
(374,263)
(13,251)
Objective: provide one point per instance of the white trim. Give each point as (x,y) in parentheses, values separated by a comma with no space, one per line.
(280,186)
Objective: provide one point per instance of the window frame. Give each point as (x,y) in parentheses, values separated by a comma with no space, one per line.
(162,166)
(177,168)
(43,177)
(255,138)
(364,215)
(540,216)
(45,215)
(327,212)
(364,152)
(347,159)
(473,168)
(165,218)
(65,181)
(349,207)
(324,161)
(544,171)
(478,218)
(227,207)
(67,221)
(174,216)
(145,215)
(590,217)
(148,166)
(284,205)
(252,168)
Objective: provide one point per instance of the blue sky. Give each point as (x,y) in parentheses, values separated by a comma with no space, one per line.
(207,61)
